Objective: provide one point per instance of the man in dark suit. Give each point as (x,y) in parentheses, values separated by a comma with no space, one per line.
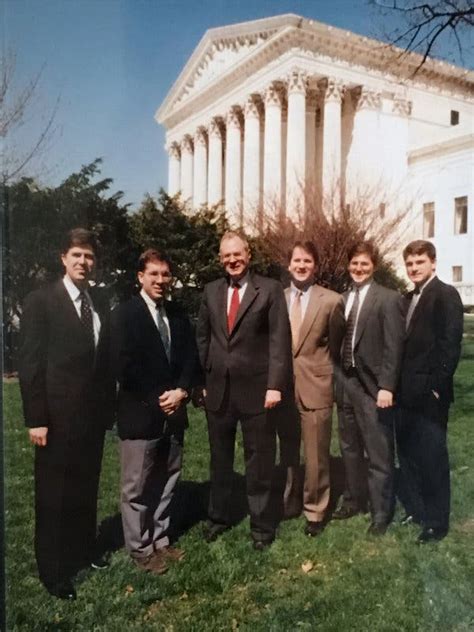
(434,323)
(244,343)
(156,359)
(67,398)
(371,355)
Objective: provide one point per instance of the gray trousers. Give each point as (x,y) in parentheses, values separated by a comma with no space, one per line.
(150,470)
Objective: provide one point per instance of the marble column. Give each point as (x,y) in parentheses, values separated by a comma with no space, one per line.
(310,173)
(333,91)
(187,159)
(215,172)
(296,146)
(233,165)
(252,191)
(272,167)
(174,169)
(200,167)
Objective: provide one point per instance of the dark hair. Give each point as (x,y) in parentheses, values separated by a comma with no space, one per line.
(78,237)
(420,247)
(150,255)
(364,248)
(307,246)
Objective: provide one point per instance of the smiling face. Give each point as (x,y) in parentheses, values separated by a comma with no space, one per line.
(79,264)
(155,279)
(420,268)
(235,257)
(361,268)
(302,265)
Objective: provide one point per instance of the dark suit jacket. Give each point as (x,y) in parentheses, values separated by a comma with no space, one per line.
(256,356)
(379,339)
(432,346)
(143,370)
(62,378)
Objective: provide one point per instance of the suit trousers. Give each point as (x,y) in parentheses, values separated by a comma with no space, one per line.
(259,438)
(364,428)
(424,464)
(150,470)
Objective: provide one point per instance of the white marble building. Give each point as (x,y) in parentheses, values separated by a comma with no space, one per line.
(266,109)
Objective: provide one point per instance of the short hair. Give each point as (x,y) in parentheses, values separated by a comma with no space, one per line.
(420,247)
(308,246)
(364,248)
(78,237)
(231,234)
(151,255)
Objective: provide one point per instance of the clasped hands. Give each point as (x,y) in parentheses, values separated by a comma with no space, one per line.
(170,401)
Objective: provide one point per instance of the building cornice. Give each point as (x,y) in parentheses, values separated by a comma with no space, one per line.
(442,148)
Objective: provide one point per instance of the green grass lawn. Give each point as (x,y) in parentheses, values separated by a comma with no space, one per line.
(355,583)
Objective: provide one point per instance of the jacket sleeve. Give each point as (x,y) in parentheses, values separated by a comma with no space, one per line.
(337,329)
(203,330)
(279,351)
(189,375)
(33,360)
(449,322)
(393,337)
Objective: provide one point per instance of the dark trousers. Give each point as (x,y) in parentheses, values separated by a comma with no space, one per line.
(424,464)
(259,438)
(365,429)
(67,472)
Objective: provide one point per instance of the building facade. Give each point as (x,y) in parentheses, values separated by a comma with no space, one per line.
(270,111)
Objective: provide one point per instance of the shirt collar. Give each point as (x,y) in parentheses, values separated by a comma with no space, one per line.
(295,289)
(72,289)
(148,300)
(422,287)
(243,281)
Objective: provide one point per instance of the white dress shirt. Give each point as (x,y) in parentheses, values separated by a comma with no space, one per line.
(305,294)
(75,294)
(244,281)
(152,306)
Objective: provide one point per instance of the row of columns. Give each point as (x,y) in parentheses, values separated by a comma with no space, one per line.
(246,157)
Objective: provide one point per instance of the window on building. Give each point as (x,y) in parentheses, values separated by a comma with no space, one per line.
(382,210)
(457,274)
(454,117)
(460,215)
(428,220)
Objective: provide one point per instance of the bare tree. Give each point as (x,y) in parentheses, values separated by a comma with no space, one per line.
(421,26)
(17,108)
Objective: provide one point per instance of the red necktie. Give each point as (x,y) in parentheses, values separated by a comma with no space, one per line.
(234,308)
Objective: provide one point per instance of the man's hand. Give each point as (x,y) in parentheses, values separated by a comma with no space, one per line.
(272,398)
(198,397)
(384,399)
(170,401)
(38,436)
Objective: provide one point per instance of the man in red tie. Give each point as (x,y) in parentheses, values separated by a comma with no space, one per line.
(244,343)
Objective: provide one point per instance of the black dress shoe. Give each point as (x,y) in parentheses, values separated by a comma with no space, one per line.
(261,545)
(344,512)
(212,531)
(377,528)
(99,564)
(431,535)
(62,590)
(313,528)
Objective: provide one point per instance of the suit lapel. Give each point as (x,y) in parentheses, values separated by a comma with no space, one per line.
(250,295)
(148,328)
(425,294)
(312,309)
(370,301)
(69,310)
(221,303)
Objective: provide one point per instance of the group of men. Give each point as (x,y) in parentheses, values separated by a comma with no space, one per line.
(264,357)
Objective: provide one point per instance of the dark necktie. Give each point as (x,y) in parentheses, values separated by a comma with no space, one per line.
(163,330)
(86,317)
(350,329)
(413,303)
(234,307)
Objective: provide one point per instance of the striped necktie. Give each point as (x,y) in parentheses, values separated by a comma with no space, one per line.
(163,330)
(347,352)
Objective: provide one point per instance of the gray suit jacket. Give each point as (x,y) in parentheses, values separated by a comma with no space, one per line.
(256,356)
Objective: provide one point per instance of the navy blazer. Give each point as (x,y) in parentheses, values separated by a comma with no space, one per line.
(142,367)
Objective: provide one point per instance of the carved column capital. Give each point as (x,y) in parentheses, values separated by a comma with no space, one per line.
(174,150)
(216,128)
(187,144)
(401,106)
(274,96)
(234,117)
(200,136)
(332,90)
(297,82)
(365,98)
(253,106)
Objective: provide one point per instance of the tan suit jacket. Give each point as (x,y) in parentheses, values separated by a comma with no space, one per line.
(318,347)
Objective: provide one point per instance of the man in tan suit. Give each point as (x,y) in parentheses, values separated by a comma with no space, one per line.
(317,327)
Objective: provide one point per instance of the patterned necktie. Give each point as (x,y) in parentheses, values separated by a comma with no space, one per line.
(413,303)
(296,317)
(86,317)
(163,330)
(350,330)
(234,307)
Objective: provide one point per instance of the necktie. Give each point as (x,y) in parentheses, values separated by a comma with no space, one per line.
(414,301)
(234,307)
(86,317)
(296,317)
(350,330)
(163,330)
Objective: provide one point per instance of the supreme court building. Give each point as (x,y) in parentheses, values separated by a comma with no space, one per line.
(267,110)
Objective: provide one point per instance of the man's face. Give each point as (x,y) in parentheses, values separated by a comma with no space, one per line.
(235,257)
(302,266)
(155,279)
(361,268)
(79,263)
(419,268)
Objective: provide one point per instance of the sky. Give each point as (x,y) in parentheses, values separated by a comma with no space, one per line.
(109,64)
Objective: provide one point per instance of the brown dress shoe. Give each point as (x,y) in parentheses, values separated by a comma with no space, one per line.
(171,553)
(152,564)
